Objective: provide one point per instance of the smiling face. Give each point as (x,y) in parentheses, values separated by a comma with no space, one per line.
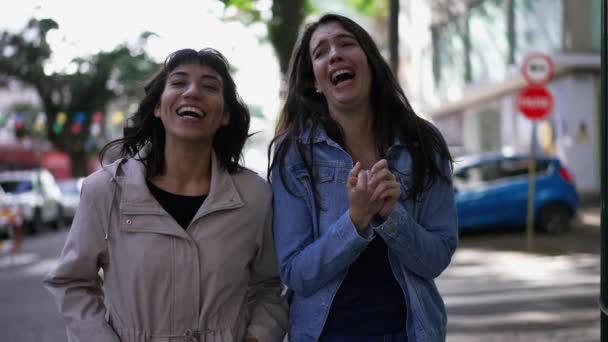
(340,67)
(191,106)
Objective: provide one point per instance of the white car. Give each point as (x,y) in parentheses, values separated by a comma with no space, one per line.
(70,196)
(37,195)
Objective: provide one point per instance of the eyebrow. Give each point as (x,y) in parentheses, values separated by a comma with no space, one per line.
(204,77)
(338,36)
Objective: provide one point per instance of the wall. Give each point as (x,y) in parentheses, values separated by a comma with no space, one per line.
(576,119)
(578,19)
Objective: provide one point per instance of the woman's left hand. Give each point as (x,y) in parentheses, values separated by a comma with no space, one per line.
(386,187)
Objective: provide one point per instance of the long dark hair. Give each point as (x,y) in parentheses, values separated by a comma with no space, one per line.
(144,128)
(305,109)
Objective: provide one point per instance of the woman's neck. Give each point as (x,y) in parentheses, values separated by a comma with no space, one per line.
(359,138)
(187,169)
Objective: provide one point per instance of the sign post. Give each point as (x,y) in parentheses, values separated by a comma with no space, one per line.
(535,102)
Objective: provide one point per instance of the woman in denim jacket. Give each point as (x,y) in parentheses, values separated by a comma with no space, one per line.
(364,216)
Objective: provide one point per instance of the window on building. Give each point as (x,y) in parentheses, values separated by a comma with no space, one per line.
(489,43)
(450,59)
(538,27)
(596,25)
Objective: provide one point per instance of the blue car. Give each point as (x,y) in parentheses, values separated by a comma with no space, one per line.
(492,192)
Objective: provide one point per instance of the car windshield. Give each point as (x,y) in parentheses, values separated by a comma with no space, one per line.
(16,187)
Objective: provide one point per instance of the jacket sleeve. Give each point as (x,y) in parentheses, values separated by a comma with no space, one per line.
(267,306)
(307,264)
(75,283)
(425,246)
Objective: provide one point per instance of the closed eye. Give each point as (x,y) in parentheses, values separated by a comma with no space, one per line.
(211,87)
(319,53)
(348,41)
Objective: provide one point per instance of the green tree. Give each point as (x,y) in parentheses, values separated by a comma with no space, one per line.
(97,80)
(283,27)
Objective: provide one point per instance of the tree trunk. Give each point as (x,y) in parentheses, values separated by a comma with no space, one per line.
(283,29)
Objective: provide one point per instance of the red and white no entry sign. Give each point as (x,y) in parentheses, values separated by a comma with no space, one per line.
(537,68)
(535,102)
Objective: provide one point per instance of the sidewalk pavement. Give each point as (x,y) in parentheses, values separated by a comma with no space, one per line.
(497,290)
(589,215)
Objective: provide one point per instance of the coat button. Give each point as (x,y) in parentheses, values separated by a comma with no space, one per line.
(129,222)
(391,228)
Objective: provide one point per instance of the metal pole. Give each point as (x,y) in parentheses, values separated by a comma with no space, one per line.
(531,190)
(604,181)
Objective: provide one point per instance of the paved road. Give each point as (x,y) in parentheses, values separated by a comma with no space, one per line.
(512,296)
(27,311)
(495,290)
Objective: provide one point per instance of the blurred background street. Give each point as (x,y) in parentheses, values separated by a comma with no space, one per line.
(69,81)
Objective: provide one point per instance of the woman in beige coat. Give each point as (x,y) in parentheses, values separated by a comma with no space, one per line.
(180,229)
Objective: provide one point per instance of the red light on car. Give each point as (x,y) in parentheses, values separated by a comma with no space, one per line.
(566,175)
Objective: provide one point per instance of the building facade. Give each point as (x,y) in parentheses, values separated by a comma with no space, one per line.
(466,74)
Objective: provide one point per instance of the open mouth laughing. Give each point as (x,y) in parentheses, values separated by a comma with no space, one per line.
(341,75)
(191,111)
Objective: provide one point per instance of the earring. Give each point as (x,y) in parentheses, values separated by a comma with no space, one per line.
(318,91)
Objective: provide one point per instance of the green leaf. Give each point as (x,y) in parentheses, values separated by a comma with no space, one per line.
(372,8)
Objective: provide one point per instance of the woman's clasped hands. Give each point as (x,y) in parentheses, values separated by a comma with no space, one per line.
(371,192)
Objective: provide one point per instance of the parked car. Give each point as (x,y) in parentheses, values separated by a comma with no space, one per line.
(37,195)
(492,192)
(70,196)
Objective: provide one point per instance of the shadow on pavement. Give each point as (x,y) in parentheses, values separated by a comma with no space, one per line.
(583,237)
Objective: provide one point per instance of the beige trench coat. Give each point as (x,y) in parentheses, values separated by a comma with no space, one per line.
(215,281)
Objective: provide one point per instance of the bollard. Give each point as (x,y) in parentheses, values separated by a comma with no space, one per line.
(16,246)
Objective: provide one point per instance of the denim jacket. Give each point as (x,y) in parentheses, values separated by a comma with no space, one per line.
(314,254)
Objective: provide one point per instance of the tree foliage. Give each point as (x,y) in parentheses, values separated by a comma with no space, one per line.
(288,17)
(371,8)
(283,27)
(94,81)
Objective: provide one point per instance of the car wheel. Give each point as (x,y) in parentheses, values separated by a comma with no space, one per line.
(554,218)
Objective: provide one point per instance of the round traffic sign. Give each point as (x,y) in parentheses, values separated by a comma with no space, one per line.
(535,102)
(537,68)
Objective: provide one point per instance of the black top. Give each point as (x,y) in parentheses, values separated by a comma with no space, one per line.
(370,300)
(182,208)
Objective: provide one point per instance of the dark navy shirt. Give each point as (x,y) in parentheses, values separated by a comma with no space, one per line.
(370,300)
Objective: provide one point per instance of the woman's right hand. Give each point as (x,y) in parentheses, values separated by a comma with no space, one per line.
(361,207)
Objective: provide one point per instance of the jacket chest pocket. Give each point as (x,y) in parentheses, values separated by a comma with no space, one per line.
(144,239)
(143,258)
(324,185)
